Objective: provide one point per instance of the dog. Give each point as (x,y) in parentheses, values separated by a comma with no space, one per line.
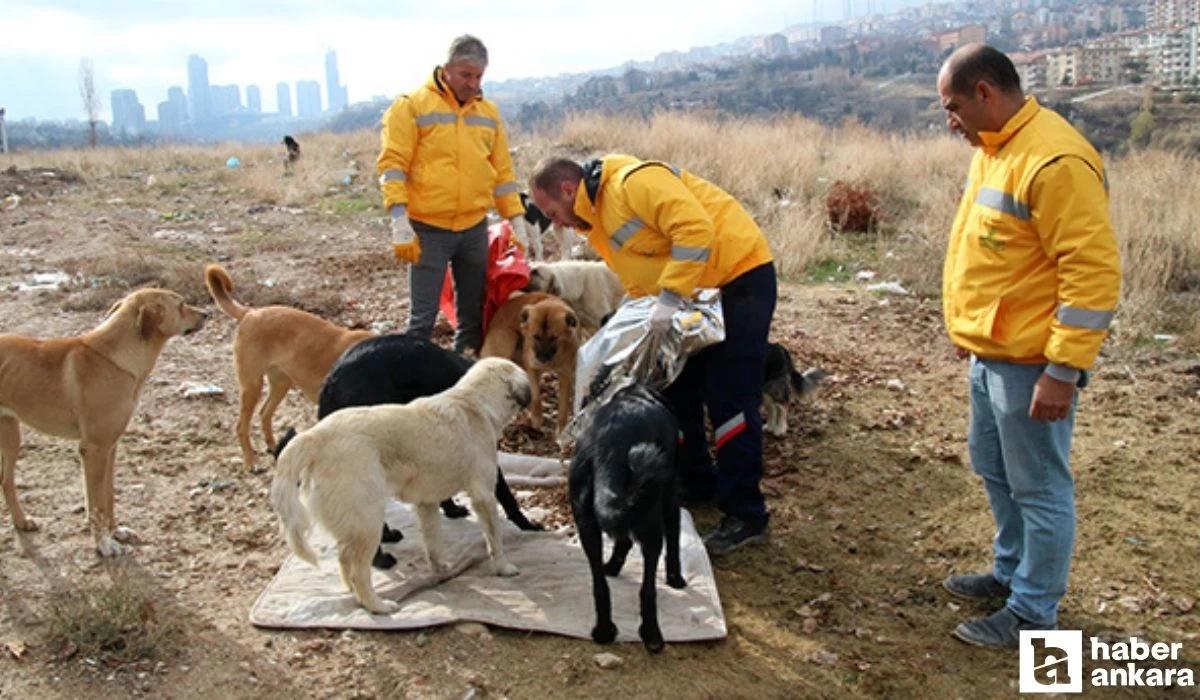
(85,388)
(288,346)
(293,149)
(781,381)
(540,332)
(421,452)
(590,287)
(570,245)
(399,369)
(624,482)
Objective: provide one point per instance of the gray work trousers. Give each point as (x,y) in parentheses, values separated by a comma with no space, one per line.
(467,254)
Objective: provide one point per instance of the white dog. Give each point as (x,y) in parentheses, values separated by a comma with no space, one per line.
(422,452)
(591,289)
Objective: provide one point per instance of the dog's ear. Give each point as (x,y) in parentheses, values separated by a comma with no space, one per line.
(524,317)
(571,320)
(552,285)
(149,317)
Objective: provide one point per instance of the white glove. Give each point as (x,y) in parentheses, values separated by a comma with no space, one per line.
(520,232)
(664,310)
(402,230)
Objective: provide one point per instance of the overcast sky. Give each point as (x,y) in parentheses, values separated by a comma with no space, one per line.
(383,47)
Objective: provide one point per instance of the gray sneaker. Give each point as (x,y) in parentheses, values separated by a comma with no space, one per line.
(1000,630)
(976,587)
(735,533)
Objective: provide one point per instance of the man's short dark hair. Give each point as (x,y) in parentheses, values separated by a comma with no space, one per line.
(467,48)
(551,172)
(982,63)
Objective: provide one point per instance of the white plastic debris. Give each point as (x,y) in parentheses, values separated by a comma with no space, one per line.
(888,288)
(896,385)
(44,280)
(865,275)
(193,389)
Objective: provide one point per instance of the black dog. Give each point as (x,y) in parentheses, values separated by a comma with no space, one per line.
(293,149)
(781,381)
(623,481)
(398,369)
(534,216)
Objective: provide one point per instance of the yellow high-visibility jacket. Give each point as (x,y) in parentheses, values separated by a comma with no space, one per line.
(662,228)
(447,163)
(1032,271)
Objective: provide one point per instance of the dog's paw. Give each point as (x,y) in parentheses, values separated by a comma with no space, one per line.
(506,569)
(106,546)
(26,525)
(529,526)
(384,607)
(676,581)
(382,560)
(652,638)
(390,535)
(452,510)
(613,567)
(124,535)
(604,633)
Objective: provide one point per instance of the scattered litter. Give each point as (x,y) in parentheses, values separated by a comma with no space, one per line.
(896,385)
(865,275)
(44,280)
(270,282)
(1135,541)
(114,201)
(150,180)
(192,389)
(608,660)
(233,162)
(383,327)
(212,486)
(1119,443)
(1164,337)
(13,200)
(887,288)
(48,173)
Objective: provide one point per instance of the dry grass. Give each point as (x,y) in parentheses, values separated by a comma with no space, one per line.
(916,179)
(114,626)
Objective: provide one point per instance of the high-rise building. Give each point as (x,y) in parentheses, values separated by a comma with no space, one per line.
(176,97)
(198,92)
(253,99)
(226,99)
(283,99)
(334,90)
(308,99)
(170,118)
(128,113)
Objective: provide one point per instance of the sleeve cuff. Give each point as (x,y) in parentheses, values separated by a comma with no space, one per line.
(1063,373)
(667,297)
(398,210)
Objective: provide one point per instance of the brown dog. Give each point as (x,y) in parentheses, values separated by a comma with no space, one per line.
(289,346)
(85,388)
(540,333)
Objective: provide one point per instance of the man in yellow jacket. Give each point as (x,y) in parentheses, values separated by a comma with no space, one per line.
(443,165)
(664,231)
(1031,281)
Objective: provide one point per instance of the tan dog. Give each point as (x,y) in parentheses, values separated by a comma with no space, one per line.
(85,388)
(540,332)
(421,452)
(288,346)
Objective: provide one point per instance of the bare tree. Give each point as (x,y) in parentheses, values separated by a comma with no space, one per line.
(91,100)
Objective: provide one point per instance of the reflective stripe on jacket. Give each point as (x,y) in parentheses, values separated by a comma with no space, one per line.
(659,227)
(449,164)
(1032,271)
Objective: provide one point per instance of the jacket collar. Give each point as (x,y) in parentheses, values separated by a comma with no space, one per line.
(436,84)
(992,141)
(589,189)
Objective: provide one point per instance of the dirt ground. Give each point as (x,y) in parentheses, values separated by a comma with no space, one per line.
(872,497)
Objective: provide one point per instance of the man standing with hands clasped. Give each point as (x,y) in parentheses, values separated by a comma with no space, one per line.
(443,165)
(1031,280)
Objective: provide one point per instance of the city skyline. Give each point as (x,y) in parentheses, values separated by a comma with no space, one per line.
(140,45)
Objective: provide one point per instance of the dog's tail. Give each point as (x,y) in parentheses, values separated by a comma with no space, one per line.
(220,286)
(632,492)
(805,384)
(294,520)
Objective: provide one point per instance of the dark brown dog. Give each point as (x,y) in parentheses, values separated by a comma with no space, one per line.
(540,333)
(288,346)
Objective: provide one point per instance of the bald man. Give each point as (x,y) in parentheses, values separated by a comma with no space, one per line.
(1030,284)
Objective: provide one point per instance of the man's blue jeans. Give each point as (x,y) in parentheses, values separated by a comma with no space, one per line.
(1027,474)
